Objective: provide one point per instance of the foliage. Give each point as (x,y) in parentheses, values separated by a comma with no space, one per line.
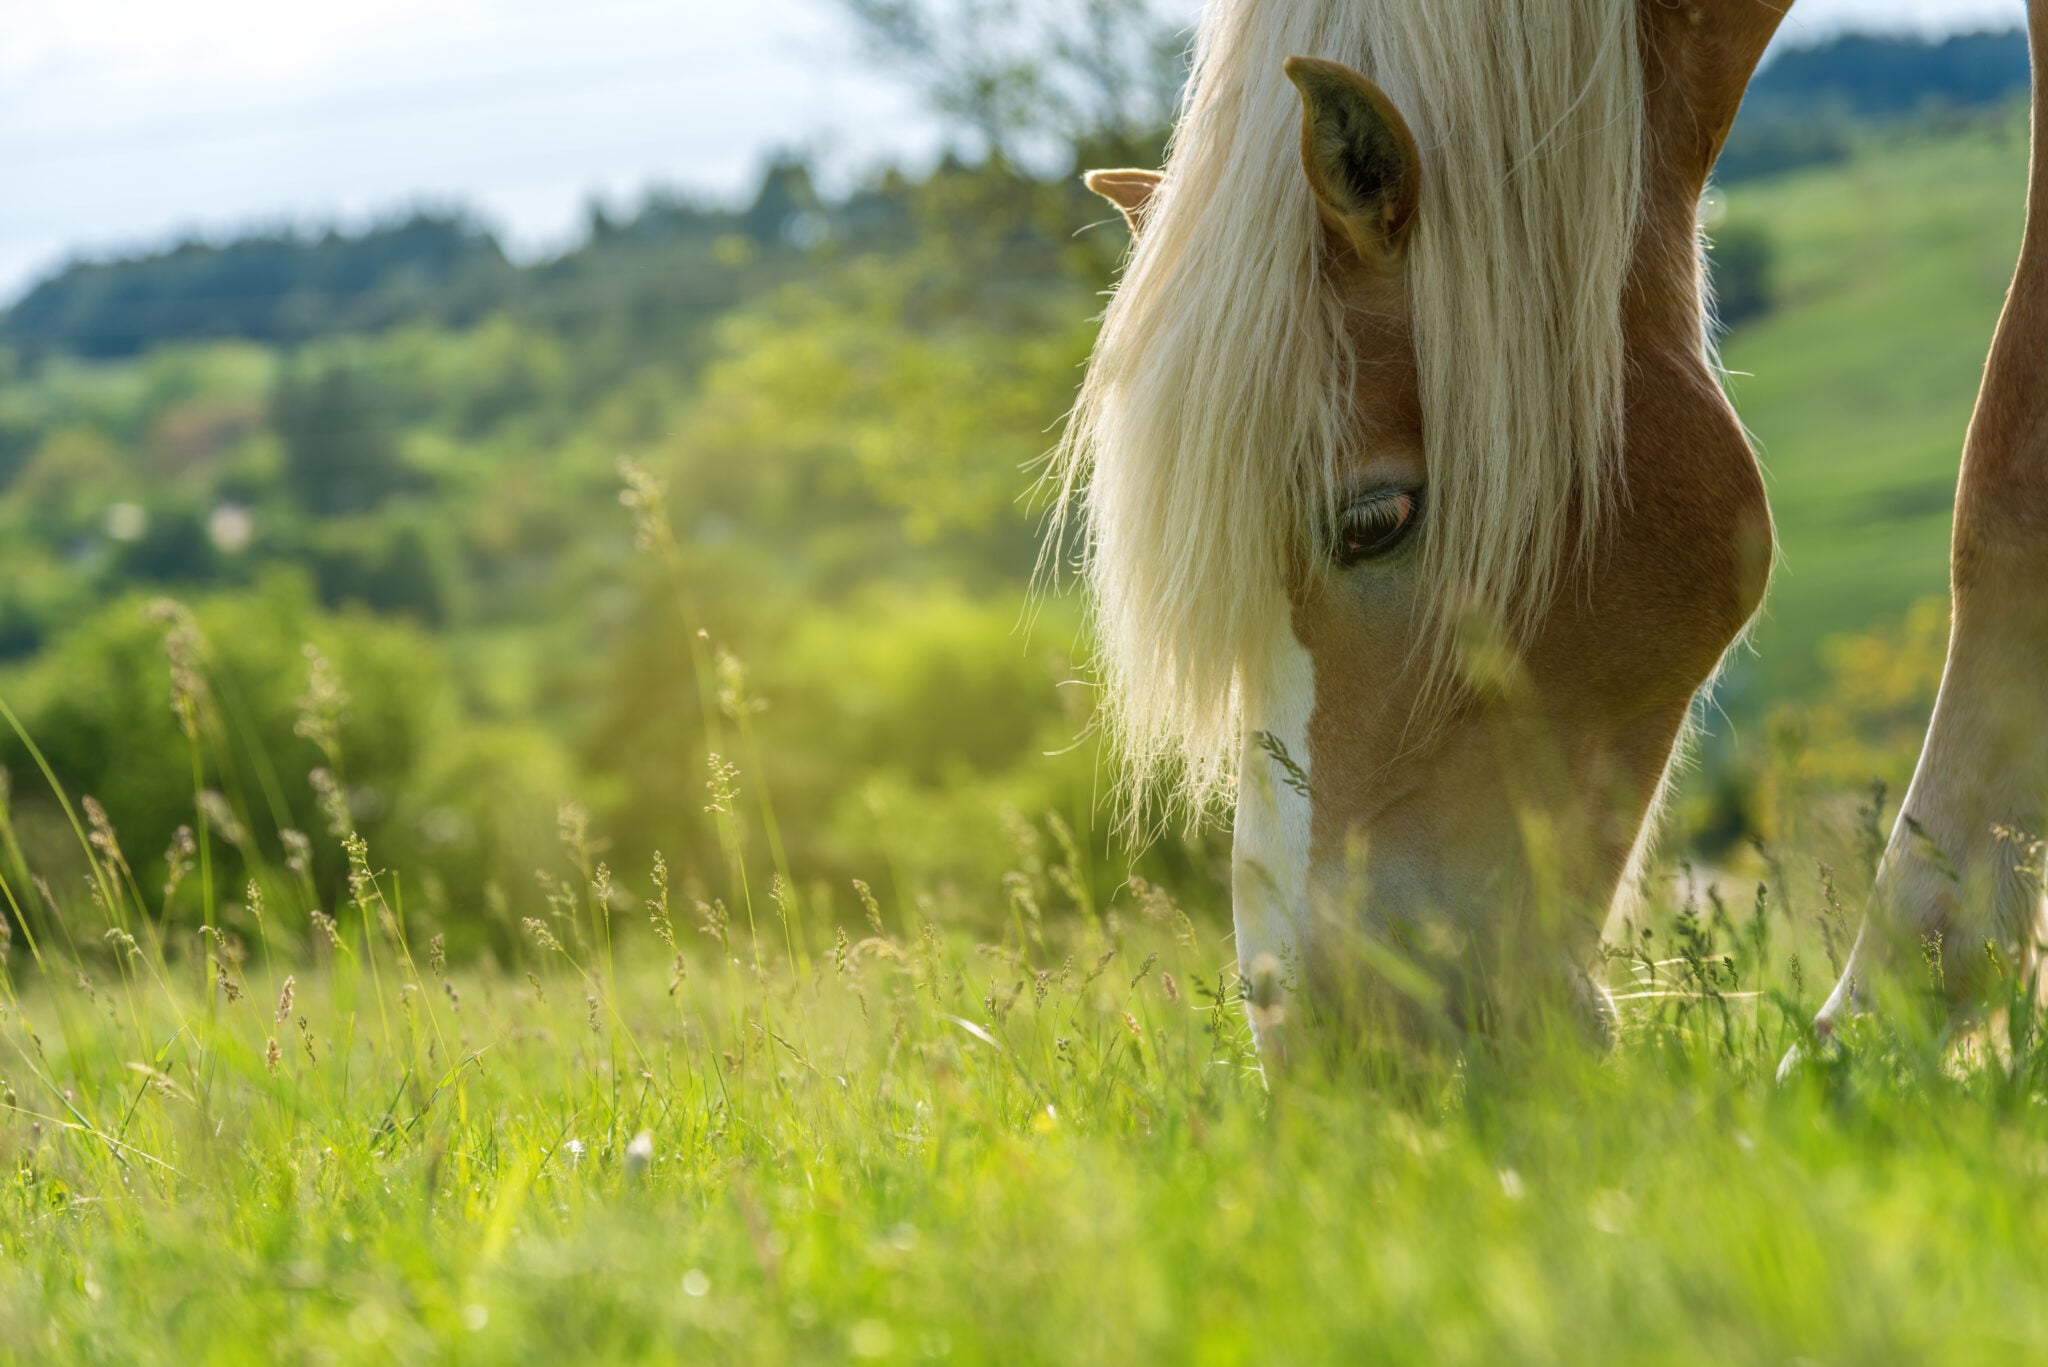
(1887,275)
(1761,145)
(1881,688)
(1818,770)
(268,287)
(1081,82)
(337,456)
(843,401)
(234,720)
(1739,269)
(1890,74)
(1810,104)
(1107,72)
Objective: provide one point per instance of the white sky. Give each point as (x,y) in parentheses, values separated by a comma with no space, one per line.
(125,121)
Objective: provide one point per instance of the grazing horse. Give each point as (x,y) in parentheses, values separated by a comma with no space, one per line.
(1415,517)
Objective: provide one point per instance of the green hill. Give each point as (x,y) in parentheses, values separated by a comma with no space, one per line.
(845,426)
(1888,273)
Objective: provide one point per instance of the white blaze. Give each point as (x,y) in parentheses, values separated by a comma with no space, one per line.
(1270,852)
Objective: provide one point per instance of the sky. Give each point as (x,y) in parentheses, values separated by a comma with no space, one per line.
(124,123)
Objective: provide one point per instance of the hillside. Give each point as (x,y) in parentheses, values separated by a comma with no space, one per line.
(842,415)
(1809,105)
(662,271)
(1888,273)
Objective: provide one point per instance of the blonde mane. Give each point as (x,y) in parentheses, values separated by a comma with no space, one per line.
(1199,460)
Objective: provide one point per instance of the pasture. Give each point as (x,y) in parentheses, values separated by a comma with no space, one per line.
(779,1143)
(1889,273)
(288,1098)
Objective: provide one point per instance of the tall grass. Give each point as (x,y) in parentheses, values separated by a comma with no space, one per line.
(689,1118)
(1052,1145)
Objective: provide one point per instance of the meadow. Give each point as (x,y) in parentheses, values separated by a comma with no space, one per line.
(1889,272)
(729,1132)
(561,836)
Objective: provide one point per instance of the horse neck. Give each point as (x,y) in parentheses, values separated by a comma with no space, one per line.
(1697,58)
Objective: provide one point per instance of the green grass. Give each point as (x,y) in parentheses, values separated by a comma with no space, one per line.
(1036,1145)
(1858,388)
(1003,1124)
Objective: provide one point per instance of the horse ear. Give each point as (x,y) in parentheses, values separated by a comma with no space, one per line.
(1130,190)
(1360,157)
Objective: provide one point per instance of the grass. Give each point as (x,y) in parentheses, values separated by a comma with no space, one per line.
(1890,271)
(1029,1127)
(652,1140)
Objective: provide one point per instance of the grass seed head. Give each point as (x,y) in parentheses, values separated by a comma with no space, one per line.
(101,832)
(220,817)
(723,783)
(572,824)
(870,906)
(657,905)
(298,851)
(645,496)
(333,801)
(713,921)
(185,648)
(323,706)
(178,860)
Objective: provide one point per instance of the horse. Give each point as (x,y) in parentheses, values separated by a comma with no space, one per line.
(1415,518)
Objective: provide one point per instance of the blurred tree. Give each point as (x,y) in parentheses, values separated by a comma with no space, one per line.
(471,803)
(1037,80)
(339,456)
(1878,74)
(787,211)
(267,286)
(1770,144)
(172,549)
(399,564)
(1807,106)
(1740,265)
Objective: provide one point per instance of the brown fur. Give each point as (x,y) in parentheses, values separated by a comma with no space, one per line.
(1582,729)
(2001,532)
(1533,787)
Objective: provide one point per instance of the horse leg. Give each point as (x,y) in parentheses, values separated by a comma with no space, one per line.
(1962,870)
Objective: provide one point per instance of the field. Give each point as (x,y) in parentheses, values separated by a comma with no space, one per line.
(706,1135)
(1858,387)
(894,1053)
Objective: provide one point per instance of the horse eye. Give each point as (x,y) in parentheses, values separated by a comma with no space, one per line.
(1376,524)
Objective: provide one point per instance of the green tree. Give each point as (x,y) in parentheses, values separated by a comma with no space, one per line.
(339,455)
(1740,264)
(1049,78)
